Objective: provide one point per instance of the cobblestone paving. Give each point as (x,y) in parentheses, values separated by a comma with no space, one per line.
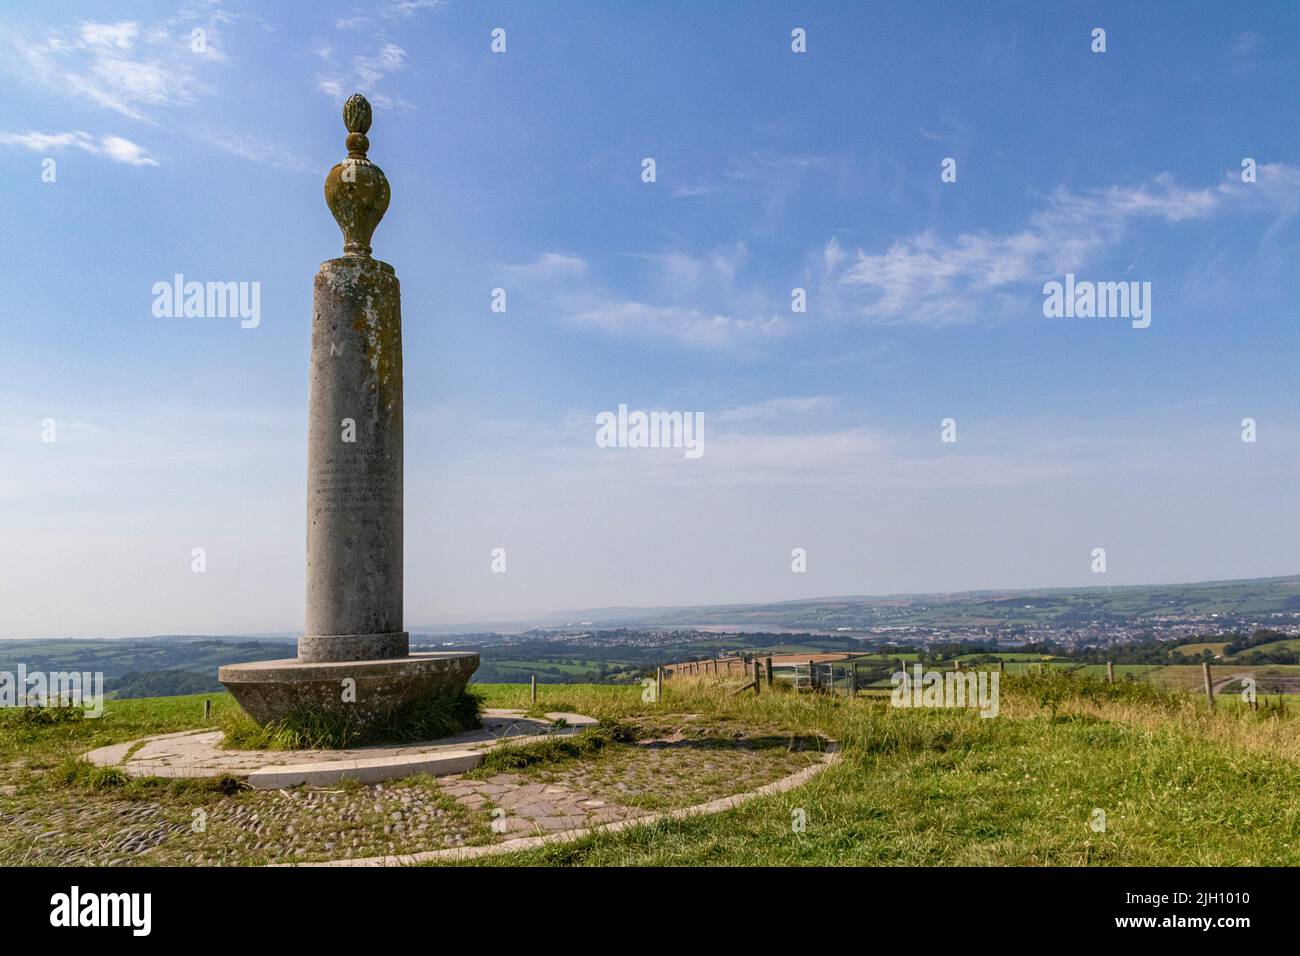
(40,825)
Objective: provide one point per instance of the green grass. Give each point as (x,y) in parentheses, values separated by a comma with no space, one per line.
(39,745)
(1179,785)
(554,750)
(1214,647)
(429,719)
(81,774)
(930,787)
(1122,671)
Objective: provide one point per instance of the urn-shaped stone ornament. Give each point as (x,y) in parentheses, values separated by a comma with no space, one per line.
(356,190)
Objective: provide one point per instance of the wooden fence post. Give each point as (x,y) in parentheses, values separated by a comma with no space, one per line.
(812,676)
(1209,686)
(853,679)
(207,710)
(533,689)
(1110,672)
(768,664)
(758,683)
(659,684)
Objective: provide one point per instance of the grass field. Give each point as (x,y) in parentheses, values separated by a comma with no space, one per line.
(1178,784)
(1195,650)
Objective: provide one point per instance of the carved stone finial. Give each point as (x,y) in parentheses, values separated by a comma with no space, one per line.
(356,114)
(356,190)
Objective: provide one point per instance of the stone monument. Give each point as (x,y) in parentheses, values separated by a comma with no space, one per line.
(353,657)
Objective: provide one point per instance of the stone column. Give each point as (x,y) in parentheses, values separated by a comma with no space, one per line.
(353,637)
(354,466)
(354,428)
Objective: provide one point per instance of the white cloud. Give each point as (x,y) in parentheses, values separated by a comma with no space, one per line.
(258,149)
(774,409)
(363,74)
(931,279)
(138,70)
(125,151)
(390,10)
(547,266)
(113,147)
(407,8)
(1245,43)
(705,300)
(684,324)
(695,299)
(119,35)
(124,67)
(49,142)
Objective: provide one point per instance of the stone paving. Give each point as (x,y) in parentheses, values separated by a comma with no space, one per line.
(680,765)
(522,806)
(199,754)
(514,844)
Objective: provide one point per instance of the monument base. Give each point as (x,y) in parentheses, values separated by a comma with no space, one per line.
(379,689)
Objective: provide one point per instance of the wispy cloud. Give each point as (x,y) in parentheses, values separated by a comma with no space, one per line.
(369,74)
(774,409)
(770,178)
(407,8)
(141,71)
(128,67)
(548,266)
(928,278)
(362,73)
(712,300)
(257,149)
(689,326)
(1245,44)
(116,148)
(360,18)
(696,301)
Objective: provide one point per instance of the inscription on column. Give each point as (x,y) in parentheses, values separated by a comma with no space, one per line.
(346,483)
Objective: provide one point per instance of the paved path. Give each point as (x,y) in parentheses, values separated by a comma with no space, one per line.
(574,827)
(194,753)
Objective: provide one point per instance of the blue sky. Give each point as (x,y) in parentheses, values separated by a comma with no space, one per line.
(775,170)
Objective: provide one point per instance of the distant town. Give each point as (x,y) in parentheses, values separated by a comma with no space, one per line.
(1256,621)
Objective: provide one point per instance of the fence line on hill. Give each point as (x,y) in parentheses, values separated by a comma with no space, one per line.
(828,676)
(839,674)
